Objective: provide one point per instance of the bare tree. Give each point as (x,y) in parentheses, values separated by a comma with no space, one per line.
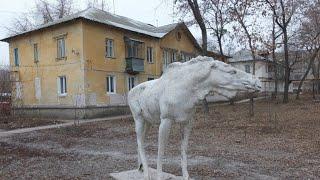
(193,5)
(241,10)
(309,38)
(100,4)
(217,20)
(44,12)
(5,91)
(284,11)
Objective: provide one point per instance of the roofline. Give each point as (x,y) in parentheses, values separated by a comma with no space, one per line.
(218,54)
(262,60)
(7,39)
(35,30)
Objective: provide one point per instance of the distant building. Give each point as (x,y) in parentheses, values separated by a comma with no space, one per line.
(264,68)
(218,56)
(298,61)
(90,60)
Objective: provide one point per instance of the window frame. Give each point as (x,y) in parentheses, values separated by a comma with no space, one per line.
(129,83)
(62,86)
(16,57)
(166,58)
(109,47)
(61,52)
(36,53)
(173,57)
(247,67)
(150,55)
(108,83)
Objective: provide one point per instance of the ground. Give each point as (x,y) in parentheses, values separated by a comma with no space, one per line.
(10,122)
(280,141)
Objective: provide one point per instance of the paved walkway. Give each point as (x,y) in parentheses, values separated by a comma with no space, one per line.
(83,121)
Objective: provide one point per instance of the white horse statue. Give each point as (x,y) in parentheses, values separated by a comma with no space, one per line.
(173,96)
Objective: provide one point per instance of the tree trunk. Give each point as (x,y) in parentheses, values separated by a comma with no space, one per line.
(198,17)
(303,78)
(287,68)
(275,65)
(220,45)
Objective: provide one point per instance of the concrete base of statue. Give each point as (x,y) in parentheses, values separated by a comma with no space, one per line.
(138,175)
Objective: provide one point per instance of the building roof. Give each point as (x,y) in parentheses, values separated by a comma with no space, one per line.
(245,55)
(100,16)
(217,55)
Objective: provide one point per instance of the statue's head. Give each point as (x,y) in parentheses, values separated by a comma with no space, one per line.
(226,80)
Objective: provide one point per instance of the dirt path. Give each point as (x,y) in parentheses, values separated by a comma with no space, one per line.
(25,130)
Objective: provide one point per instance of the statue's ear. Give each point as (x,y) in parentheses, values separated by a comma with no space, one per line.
(214,65)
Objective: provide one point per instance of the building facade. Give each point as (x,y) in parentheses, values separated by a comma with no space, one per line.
(264,68)
(91,60)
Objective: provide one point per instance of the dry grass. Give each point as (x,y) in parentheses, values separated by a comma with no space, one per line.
(280,141)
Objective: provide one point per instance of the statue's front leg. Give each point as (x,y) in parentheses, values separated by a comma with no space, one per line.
(164,131)
(185,133)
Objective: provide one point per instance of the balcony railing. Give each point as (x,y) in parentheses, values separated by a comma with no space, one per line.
(134,65)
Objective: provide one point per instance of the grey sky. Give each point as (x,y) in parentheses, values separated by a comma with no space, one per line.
(156,12)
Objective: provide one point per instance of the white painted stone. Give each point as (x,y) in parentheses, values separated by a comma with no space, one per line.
(172,98)
(138,175)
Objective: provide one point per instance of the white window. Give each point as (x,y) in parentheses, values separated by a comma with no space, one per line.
(173,57)
(109,48)
(165,58)
(61,48)
(111,84)
(62,85)
(149,55)
(247,68)
(132,82)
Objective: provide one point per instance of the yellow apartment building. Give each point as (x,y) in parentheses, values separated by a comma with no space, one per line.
(86,63)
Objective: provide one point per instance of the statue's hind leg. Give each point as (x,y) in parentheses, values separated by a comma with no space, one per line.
(140,131)
(146,129)
(164,131)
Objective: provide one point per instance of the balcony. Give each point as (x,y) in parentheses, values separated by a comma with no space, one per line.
(134,65)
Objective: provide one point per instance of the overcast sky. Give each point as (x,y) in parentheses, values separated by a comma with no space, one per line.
(156,12)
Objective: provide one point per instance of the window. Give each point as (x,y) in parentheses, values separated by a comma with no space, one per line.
(247,68)
(111,84)
(186,56)
(150,78)
(62,85)
(16,57)
(109,48)
(134,48)
(165,58)
(35,53)
(270,68)
(149,55)
(131,82)
(61,52)
(173,57)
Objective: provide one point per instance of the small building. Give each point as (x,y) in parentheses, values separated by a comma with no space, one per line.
(264,68)
(87,62)
(218,56)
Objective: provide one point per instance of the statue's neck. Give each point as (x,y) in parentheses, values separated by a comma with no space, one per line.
(202,89)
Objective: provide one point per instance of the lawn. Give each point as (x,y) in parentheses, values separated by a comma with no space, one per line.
(280,141)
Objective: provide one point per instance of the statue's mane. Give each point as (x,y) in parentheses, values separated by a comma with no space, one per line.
(176,65)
